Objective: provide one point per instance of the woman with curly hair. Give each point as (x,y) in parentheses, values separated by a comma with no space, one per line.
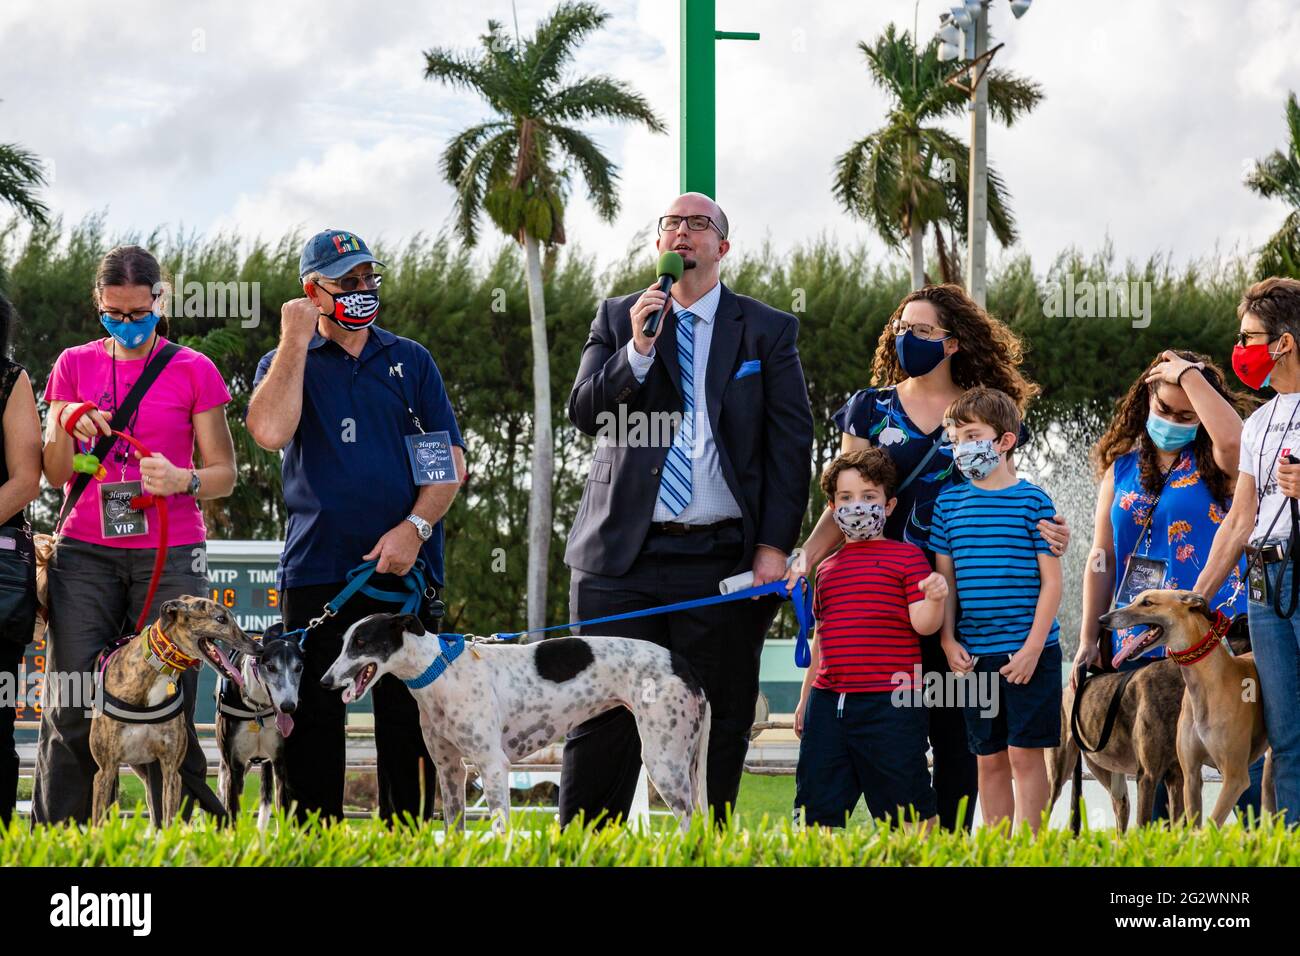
(936,345)
(1168,465)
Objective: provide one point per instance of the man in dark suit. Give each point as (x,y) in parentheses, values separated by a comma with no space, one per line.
(664,519)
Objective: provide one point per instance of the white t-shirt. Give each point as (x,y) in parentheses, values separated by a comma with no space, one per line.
(1280,417)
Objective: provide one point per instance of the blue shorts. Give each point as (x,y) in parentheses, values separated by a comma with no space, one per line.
(870,749)
(1025,715)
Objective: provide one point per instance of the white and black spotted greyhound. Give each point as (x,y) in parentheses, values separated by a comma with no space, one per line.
(492,703)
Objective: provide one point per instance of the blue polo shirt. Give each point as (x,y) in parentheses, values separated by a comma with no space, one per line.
(346,474)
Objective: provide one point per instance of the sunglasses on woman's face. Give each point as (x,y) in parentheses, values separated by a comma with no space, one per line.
(1244,337)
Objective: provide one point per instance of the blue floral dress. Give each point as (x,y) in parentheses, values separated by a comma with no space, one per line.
(877,415)
(1181,532)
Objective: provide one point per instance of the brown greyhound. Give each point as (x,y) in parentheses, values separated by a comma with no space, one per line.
(138,682)
(1222,719)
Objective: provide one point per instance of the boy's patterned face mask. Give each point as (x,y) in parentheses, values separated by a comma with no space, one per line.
(859,521)
(977,459)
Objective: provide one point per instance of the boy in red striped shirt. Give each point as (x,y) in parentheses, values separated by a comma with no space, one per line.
(872,597)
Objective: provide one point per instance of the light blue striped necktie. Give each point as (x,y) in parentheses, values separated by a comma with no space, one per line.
(675,484)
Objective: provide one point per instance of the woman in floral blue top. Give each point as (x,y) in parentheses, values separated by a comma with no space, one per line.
(1168,465)
(936,345)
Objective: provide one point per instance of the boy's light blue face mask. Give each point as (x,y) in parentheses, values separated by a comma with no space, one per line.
(130,335)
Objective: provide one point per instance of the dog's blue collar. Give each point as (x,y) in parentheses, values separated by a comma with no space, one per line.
(452,646)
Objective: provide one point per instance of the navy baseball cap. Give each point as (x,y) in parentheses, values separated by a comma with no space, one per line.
(332,253)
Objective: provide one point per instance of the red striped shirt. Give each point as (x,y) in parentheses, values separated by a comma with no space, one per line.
(864,631)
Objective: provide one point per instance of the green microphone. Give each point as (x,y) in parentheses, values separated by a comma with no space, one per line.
(670,270)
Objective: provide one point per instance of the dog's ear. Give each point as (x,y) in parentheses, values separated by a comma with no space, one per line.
(1194,602)
(172,609)
(411,624)
(273,633)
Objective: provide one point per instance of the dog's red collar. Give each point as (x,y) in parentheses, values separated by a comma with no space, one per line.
(1202,649)
(167,654)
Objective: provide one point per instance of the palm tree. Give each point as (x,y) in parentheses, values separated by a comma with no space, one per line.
(906,175)
(517,167)
(20,174)
(1278,175)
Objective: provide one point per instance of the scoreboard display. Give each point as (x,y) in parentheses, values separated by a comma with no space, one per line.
(241,577)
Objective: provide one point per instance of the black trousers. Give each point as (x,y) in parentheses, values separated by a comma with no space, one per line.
(956,771)
(722,644)
(11,656)
(315,754)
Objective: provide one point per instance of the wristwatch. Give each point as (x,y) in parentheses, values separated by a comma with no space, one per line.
(422,527)
(193,489)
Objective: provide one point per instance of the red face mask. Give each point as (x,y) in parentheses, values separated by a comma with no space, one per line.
(1253,364)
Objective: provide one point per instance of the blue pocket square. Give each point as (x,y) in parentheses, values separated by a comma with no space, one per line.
(752,367)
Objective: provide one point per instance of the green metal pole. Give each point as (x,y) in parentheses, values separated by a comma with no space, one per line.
(699,98)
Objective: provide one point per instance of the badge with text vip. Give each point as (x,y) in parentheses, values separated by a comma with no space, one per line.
(117,518)
(431,459)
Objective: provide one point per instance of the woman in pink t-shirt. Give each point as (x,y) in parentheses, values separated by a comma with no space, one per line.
(100,572)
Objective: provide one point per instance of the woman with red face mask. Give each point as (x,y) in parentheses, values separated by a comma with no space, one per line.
(1265,520)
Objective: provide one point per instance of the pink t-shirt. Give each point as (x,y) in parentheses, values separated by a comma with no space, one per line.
(163,423)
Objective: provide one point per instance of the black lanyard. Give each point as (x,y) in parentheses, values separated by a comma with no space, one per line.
(1145,533)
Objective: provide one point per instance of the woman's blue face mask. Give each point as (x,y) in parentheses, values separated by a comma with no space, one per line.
(130,335)
(1167,435)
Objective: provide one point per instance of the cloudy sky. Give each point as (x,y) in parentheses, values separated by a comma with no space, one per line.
(254,118)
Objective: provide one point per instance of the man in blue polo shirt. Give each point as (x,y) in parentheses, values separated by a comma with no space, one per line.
(342,397)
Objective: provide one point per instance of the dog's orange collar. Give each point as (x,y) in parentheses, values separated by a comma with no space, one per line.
(166,653)
(1205,646)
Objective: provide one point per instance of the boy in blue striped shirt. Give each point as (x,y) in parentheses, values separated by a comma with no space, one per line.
(1008,585)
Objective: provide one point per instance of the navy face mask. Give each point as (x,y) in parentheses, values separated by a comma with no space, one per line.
(918,356)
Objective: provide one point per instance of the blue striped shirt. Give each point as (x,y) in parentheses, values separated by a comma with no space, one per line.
(994,542)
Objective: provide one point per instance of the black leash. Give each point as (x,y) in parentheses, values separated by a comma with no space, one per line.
(1112,709)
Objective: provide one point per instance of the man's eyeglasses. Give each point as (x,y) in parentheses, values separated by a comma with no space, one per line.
(370,280)
(1243,338)
(693,223)
(922,330)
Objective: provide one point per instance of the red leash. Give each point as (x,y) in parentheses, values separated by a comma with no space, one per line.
(138,503)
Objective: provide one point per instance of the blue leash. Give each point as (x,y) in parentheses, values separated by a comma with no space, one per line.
(414,588)
(802,611)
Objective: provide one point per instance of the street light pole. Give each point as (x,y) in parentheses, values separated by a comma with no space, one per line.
(978,197)
(969,22)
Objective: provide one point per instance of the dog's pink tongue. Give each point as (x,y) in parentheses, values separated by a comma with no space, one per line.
(284,724)
(233,671)
(348,694)
(1123,654)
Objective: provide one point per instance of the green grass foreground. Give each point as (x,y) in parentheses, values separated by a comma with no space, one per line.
(128,841)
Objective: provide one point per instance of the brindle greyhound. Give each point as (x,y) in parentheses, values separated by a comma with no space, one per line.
(141,675)
(1222,719)
(1143,741)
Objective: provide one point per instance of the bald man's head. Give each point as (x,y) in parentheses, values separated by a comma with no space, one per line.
(698,202)
(701,248)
